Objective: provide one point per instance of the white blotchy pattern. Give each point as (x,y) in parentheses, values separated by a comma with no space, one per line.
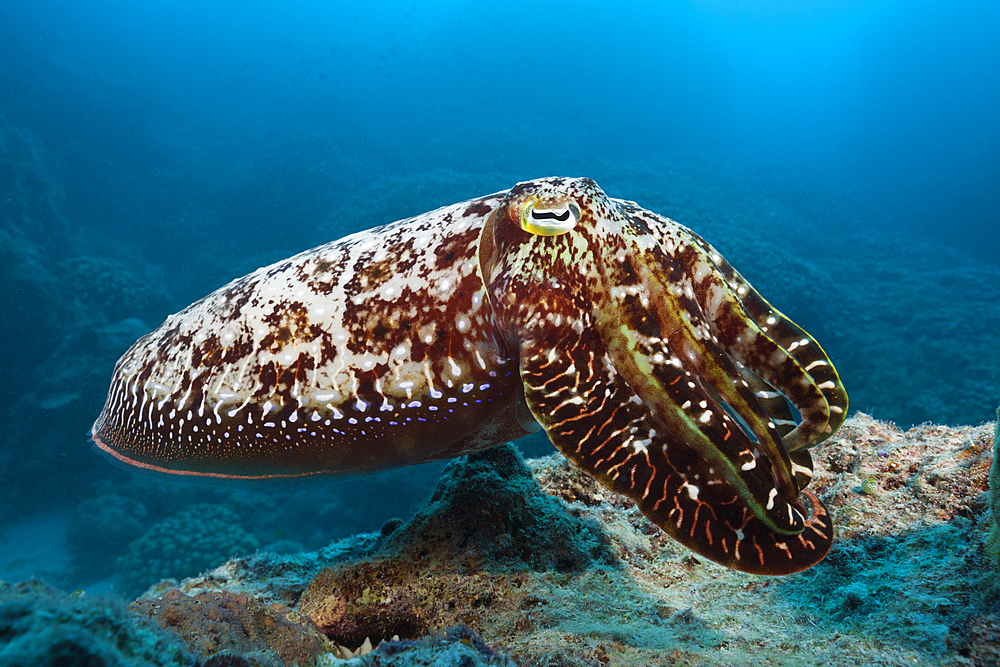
(344,343)
(358,340)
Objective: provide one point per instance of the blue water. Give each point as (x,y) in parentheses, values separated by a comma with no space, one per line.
(845,155)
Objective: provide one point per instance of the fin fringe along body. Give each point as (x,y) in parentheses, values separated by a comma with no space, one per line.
(649,361)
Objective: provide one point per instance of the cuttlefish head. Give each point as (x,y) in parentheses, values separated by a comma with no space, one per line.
(654,366)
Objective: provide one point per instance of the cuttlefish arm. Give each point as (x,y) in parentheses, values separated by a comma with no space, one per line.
(622,367)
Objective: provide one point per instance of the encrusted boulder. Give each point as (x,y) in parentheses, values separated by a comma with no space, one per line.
(461,559)
(232,623)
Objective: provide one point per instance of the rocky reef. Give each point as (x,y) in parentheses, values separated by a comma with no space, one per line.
(548,568)
(43,627)
(465,559)
(993,539)
(536,564)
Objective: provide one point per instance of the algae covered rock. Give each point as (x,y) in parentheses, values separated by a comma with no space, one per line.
(389,597)
(232,623)
(43,627)
(460,560)
(488,507)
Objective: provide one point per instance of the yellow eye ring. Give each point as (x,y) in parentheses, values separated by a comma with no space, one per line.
(549,221)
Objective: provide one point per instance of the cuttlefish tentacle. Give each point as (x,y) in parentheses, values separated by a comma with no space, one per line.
(591,414)
(772,400)
(668,356)
(779,410)
(678,277)
(755,347)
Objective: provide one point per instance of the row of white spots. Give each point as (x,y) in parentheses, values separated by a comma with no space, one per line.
(796,343)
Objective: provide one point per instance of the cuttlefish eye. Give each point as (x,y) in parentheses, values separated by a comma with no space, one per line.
(551,220)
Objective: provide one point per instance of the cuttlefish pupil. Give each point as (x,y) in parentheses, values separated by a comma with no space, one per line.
(549,221)
(650,362)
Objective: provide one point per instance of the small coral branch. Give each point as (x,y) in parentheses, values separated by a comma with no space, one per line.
(993,539)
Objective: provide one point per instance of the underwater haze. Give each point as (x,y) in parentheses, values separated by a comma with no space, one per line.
(160,109)
(844,155)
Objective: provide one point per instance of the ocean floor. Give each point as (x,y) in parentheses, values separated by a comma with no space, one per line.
(535,564)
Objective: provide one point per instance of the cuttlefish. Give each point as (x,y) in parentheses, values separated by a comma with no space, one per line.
(650,362)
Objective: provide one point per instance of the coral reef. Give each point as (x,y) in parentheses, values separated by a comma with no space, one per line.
(907,581)
(458,646)
(559,571)
(267,634)
(185,544)
(42,627)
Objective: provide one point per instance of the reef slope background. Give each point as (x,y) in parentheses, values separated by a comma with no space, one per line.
(912,326)
(549,568)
